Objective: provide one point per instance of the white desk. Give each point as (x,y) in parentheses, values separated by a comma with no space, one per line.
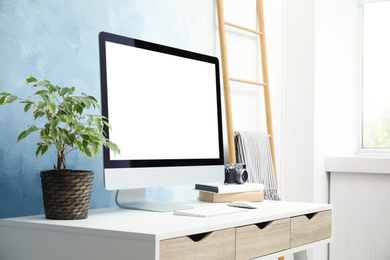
(116,233)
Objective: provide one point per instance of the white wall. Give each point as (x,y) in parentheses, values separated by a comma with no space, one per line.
(321,94)
(321,89)
(298,108)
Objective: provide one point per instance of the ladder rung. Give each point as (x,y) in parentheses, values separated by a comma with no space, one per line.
(243,28)
(248,81)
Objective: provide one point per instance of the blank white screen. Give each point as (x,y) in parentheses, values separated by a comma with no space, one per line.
(161,106)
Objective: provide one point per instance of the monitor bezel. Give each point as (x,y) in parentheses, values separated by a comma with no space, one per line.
(111,163)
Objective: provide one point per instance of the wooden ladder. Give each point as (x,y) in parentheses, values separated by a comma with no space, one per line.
(226,78)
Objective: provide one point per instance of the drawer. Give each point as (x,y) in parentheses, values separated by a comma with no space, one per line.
(262,239)
(214,245)
(311,227)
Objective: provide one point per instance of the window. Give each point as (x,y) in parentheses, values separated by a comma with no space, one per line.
(376,76)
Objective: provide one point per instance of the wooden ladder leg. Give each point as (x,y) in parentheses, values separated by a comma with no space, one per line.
(267,94)
(226,82)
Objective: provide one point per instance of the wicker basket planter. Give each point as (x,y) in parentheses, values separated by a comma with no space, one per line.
(66,194)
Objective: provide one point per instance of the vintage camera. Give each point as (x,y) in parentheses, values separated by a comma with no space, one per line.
(236,173)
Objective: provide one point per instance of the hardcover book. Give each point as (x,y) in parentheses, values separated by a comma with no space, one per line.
(254,196)
(229,188)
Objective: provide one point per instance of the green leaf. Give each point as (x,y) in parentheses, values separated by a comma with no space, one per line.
(90,130)
(63,91)
(40,104)
(87,101)
(72,138)
(27,107)
(71,90)
(79,144)
(107,124)
(52,89)
(54,122)
(85,144)
(65,133)
(31,79)
(95,148)
(32,129)
(38,150)
(86,138)
(41,92)
(88,119)
(2,99)
(67,142)
(98,124)
(44,149)
(113,147)
(46,98)
(52,107)
(68,118)
(38,113)
(10,99)
(42,82)
(46,138)
(60,130)
(23,135)
(58,147)
(61,118)
(54,133)
(78,109)
(92,98)
(87,152)
(79,127)
(77,99)
(96,104)
(4,96)
(65,109)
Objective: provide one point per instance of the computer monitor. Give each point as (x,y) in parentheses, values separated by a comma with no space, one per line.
(164,106)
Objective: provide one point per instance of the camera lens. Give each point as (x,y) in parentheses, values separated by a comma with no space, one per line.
(242,176)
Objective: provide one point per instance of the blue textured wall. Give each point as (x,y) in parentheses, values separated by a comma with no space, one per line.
(58,40)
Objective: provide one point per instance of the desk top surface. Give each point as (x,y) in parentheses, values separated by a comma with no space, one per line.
(145,225)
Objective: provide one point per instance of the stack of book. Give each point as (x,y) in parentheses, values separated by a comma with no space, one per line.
(220,192)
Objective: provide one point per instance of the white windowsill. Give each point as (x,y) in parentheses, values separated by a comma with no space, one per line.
(358,164)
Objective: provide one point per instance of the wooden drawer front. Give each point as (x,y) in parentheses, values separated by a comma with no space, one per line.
(310,228)
(262,239)
(213,245)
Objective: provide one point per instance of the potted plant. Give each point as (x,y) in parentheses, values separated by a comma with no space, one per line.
(66,193)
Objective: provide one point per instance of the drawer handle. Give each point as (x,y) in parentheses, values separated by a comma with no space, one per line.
(199,237)
(311,215)
(263,224)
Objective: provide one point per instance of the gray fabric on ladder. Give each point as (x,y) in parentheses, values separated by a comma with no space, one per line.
(253,149)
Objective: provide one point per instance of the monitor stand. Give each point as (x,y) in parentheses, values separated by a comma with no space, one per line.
(136,199)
